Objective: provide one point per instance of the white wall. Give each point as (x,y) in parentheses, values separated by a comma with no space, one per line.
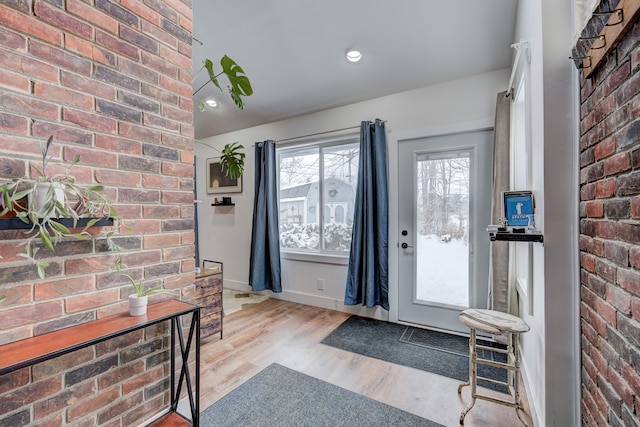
(551,361)
(225,233)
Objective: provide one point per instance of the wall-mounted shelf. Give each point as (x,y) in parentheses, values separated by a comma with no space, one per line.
(509,235)
(17,224)
(223,204)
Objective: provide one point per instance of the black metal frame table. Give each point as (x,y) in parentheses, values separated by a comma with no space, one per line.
(29,351)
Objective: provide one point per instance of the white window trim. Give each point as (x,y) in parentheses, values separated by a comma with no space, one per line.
(320,257)
(521,253)
(316,257)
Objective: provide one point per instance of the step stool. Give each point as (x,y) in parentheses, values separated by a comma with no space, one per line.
(495,323)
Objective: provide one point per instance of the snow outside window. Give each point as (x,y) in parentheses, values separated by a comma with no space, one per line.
(317,187)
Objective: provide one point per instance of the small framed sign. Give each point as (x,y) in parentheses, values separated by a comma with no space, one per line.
(518,208)
(218,182)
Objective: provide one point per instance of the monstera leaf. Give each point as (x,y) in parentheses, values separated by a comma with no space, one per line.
(232,160)
(239,82)
(240,85)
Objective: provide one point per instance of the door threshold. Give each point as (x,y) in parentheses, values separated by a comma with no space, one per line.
(487,337)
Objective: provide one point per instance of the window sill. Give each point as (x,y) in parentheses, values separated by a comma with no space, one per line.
(315,257)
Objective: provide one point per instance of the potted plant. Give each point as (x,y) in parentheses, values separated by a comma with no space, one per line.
(139,299)
(41,201)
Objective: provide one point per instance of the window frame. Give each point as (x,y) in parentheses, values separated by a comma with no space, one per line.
(323,256)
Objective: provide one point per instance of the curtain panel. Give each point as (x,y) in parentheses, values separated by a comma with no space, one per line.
(499,292)
(367,277)
(264,264)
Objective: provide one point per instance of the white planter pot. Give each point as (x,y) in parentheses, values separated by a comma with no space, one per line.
(39,195)
(137,305)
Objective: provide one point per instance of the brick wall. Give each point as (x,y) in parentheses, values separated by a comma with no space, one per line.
(610,237)
(111,81)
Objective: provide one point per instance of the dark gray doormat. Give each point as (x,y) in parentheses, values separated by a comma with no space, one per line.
(432,351)
(282,397)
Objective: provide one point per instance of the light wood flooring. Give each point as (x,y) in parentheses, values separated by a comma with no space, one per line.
(287,333)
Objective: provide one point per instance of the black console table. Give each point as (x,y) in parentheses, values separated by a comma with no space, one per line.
(29,351)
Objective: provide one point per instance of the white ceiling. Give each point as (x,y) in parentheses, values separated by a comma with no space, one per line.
(293,51)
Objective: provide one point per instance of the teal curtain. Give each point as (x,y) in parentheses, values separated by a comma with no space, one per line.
(368,277)
(264,264)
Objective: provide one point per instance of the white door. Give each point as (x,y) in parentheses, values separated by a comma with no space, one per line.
(445,202)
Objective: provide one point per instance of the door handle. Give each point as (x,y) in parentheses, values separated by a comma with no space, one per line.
(405,246)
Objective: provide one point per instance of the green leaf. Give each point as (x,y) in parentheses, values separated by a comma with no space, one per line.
(240,84)
(236,98)
(46,239)
(232,160)
(59,227)
(208,65)
(237,77)
(21,194)
(41,266)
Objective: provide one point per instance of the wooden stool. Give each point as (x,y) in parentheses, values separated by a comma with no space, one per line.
(496,323)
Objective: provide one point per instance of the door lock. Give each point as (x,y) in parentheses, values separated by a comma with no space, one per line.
(405,246)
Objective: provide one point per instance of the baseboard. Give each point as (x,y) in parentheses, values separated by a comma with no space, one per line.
(533,401)
(315,301)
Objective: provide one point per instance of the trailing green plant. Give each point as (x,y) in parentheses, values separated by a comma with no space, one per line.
(139,287)
(78,202)
(239,85)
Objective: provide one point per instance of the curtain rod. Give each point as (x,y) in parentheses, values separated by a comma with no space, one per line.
(518,46)
(321,133)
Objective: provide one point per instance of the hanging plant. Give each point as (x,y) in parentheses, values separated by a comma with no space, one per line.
(231,156)
(43,200)
(239,85)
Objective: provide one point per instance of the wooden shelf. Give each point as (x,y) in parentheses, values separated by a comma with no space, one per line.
(29,351)
(17,224)
(172,419)
(223,204)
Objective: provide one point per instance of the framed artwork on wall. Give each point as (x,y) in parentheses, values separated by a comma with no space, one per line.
(218,182)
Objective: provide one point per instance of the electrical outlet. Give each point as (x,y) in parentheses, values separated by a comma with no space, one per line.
(320,284)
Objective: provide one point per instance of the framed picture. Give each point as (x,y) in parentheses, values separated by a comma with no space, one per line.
(218,182)
(518,208)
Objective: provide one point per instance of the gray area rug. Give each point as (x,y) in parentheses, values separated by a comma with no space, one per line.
(281,397)
(431,351)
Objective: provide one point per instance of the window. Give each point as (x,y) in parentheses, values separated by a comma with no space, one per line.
(317,186)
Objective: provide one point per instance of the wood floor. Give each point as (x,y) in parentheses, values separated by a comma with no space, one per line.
(276,331)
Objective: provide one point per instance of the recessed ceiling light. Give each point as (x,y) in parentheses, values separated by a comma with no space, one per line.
(354,55)
(211,103)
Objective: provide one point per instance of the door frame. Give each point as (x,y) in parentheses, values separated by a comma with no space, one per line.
(394,139)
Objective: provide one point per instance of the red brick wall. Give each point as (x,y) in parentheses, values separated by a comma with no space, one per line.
(610,237)
(111,80)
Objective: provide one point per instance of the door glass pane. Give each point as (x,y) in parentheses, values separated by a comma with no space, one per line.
(442,228)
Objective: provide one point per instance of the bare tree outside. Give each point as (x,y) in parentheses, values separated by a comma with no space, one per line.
(442,213)
(443,189)
(317,196)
